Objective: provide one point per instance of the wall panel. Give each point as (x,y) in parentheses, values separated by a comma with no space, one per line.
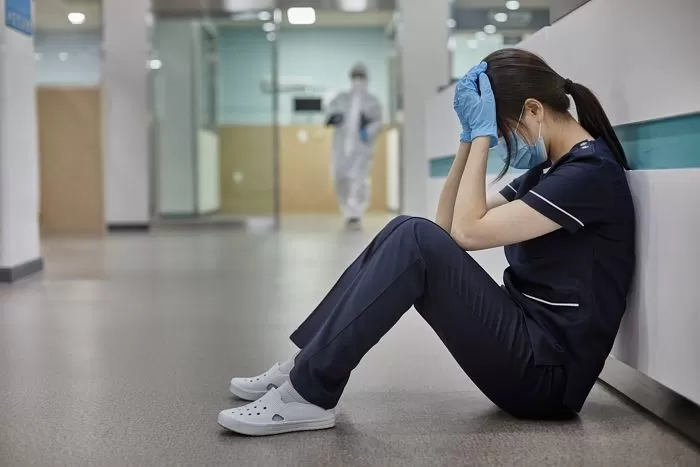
(70,161)
(305,171)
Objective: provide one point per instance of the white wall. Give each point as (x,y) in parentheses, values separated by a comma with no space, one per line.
(393,169)
(638,76)
(646,63)
(425,67)
(125,111)
(19,167)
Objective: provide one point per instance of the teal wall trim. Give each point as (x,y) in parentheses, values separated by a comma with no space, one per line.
(672,143)
(440,166)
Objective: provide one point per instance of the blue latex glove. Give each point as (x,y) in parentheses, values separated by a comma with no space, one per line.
(475,104)
(364,135)
(460,102)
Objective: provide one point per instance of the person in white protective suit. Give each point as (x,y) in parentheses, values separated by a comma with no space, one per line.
(356,116)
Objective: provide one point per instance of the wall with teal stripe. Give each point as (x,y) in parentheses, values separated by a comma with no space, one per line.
(672,143)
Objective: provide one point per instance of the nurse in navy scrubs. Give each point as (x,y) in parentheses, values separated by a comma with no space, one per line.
(535,345)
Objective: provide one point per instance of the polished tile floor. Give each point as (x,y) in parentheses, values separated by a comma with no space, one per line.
(120,355)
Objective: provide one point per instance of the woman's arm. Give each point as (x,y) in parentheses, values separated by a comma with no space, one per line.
(448,195)
(474,226)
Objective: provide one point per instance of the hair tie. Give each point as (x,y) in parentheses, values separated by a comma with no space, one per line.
(568,86)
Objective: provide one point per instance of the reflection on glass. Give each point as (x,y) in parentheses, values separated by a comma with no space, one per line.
(480,31)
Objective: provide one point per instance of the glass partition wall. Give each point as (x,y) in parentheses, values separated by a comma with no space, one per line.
(213,146)
(239,99)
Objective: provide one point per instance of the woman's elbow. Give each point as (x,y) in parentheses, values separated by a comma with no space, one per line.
(465,240)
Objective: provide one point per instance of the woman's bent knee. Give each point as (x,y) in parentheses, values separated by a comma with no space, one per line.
(427,232)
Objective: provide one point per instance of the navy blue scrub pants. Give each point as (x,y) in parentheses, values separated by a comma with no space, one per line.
(414,262)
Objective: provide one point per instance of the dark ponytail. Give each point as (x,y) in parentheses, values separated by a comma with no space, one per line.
(517,75)
(593,119)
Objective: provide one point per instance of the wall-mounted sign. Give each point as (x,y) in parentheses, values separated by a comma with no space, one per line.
(18,15)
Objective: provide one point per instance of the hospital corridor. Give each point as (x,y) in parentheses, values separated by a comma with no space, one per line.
(314,233)
(122,353)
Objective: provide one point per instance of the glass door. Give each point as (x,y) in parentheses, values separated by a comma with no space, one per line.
(214,104)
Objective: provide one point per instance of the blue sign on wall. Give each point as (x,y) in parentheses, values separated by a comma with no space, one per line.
(18,15)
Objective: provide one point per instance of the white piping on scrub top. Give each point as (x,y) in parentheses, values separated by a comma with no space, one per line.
(556,207)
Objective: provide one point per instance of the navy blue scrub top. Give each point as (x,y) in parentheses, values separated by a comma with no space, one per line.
(573,283)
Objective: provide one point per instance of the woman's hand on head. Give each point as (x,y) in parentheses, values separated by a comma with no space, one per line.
(461,101)
(475,106)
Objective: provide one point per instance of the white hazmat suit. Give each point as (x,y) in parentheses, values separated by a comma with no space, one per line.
(357,118)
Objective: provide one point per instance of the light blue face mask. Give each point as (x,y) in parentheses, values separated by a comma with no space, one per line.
(524,155)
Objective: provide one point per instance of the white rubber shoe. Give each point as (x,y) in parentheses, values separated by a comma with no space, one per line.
(252,389)
(271,416)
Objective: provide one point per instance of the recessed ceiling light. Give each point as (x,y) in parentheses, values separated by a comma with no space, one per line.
(481,35)
(76,18)
(501,17)
(451,23)
(512,5)
(353,5)
(271,36)
(301,15)
(269,27)
(489,29)
(155,64)
(264,16)
(63,56)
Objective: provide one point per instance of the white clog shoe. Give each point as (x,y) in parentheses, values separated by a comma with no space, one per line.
(269,415)
(252,389)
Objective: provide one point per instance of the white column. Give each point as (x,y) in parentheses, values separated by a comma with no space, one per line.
(125,112)
(19,161)
(425,67)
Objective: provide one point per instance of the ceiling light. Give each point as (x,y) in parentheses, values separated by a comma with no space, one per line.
(512,5)
(264,16)
(155,64)
(76,18)
(501,17)
(353,5)
(489,29)
(451,23)
(269,27)
(481,35)
(63,56)
(301,15)
(472,44)
(271,36)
